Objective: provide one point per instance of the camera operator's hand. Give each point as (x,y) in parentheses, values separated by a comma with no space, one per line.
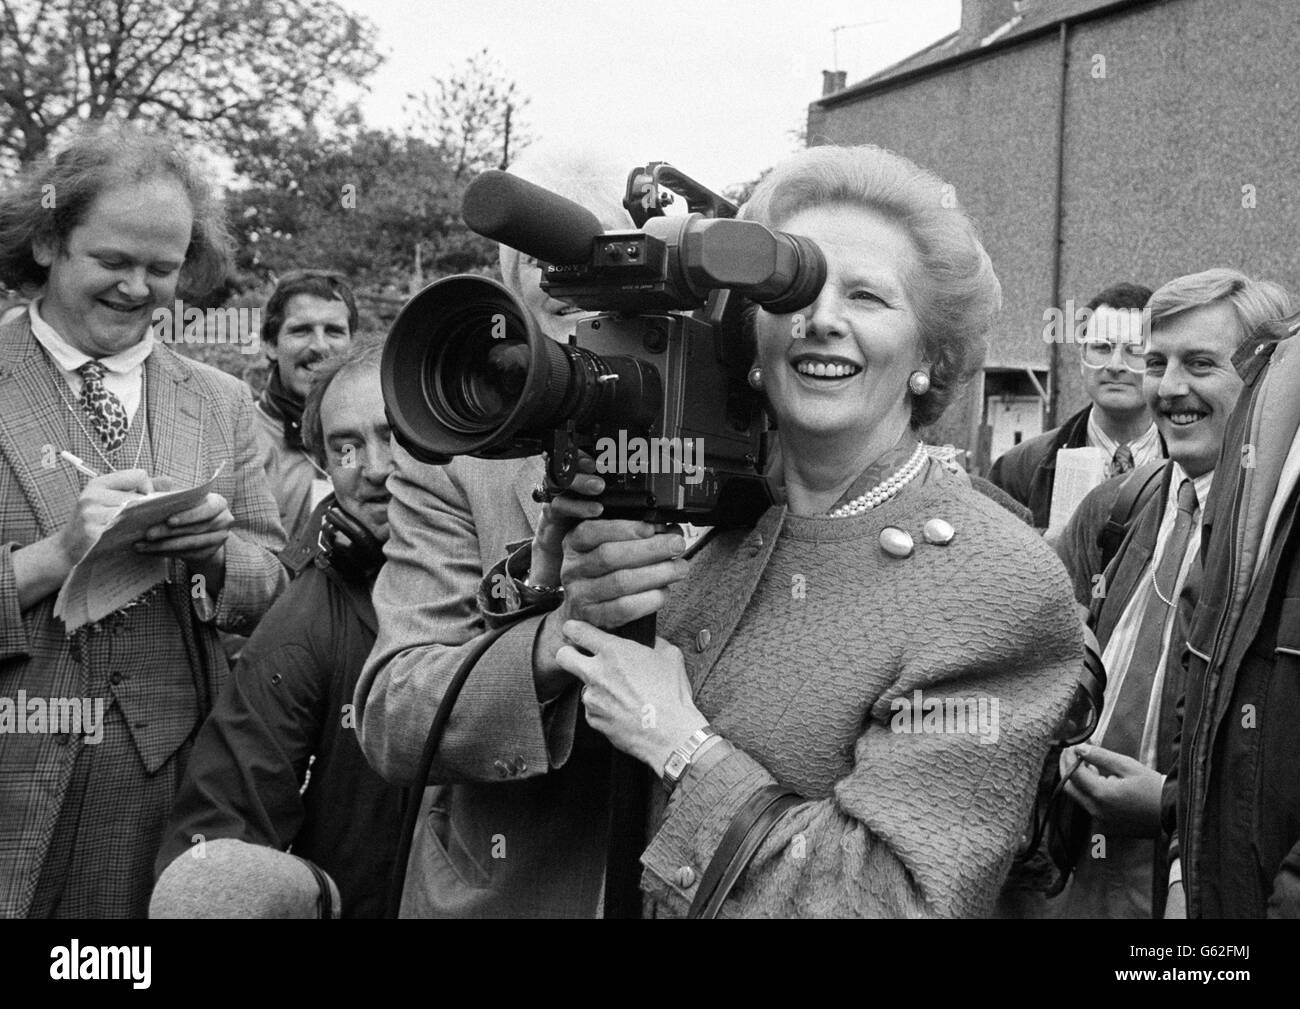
(559,516)
(614,571)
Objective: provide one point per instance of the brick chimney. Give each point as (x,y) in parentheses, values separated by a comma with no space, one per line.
(833,80)
(981,18)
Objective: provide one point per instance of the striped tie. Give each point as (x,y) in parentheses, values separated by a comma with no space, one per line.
(1128,717)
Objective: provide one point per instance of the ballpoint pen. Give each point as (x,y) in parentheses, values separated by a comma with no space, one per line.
(68,457)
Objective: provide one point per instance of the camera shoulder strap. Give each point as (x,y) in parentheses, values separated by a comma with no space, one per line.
(1134,493)
(415,793)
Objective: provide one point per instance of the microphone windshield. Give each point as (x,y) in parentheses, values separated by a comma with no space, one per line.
(537,222)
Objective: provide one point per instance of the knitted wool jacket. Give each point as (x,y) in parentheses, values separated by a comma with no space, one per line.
(821,658)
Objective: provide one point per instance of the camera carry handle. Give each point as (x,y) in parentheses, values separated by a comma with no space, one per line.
(644,200)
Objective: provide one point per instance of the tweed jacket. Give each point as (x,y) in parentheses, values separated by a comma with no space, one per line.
(198,419)
(498,836)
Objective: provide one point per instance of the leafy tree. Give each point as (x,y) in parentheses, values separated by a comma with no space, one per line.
(381,208)
(224,71)
(472,116)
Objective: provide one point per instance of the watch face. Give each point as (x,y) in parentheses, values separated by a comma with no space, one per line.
(675,766)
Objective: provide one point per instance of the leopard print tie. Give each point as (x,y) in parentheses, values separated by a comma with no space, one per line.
(106,413)
(1122,461)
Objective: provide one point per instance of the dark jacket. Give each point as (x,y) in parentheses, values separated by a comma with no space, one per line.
(1027,471)
(1238,776)
(1107,594)
(289,699)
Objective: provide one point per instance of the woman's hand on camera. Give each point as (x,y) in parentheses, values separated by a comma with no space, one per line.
(614,571)
(638,697)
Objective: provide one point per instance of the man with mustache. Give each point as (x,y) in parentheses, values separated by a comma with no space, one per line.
(290,699)
(1196,325)
(1236,848)
(310,315)
(1116,421)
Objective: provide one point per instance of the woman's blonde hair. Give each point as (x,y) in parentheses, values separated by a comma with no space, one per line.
(955,292)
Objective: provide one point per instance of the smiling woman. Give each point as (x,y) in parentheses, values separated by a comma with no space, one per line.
(882,576)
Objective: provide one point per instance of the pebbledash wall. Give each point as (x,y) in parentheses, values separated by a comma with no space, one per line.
(1176,151)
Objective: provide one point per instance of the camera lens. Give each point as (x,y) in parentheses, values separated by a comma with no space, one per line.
(465,372)
(478,374)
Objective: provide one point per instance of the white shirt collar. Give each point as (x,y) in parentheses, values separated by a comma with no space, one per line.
(1202,483)
(1107,444)
(69,358)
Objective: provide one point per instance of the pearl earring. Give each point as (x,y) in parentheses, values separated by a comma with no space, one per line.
(918,383)
(756,377)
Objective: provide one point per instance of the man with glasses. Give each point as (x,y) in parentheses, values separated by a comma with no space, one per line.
(1145,594)
(1117,420)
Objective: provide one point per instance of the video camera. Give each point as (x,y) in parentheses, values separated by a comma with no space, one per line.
(654,388)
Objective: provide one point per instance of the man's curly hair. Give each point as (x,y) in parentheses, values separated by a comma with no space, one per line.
(54,195)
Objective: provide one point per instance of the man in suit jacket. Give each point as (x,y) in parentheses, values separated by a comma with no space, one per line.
(1143,598)
(516,824)
(81,815)
(1117,420)
(502,837)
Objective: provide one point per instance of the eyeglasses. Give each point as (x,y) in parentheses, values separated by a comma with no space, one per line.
(1102,354)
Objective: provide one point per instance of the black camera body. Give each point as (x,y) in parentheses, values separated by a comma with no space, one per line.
(654,389)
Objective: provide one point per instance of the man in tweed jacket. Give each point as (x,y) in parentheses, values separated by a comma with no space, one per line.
(80,816)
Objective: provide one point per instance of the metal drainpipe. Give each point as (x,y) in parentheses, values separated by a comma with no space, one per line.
(1054,350)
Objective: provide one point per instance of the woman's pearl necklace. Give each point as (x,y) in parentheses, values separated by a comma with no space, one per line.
(886,489)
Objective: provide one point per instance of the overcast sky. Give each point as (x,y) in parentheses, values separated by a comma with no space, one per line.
(715,87)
